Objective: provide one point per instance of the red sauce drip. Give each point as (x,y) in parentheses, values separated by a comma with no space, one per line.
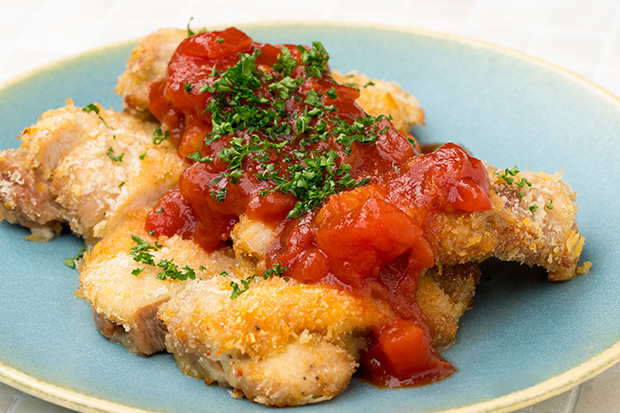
(369,240)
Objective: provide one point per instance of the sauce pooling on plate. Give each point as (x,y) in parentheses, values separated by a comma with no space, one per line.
(271,135)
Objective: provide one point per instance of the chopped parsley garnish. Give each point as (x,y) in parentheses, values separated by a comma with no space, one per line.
(286,63)
(316,180)
(276,271)
(137,271)
(236,105)
(142,155)
(332,93)
(509,177)
(549,205)
(169,269)
(115,158)
(71,262)
(190,32)
(91,107)
(314,59)
(236,290)
(121,184)
(159,136)
(220,194)
(196,156)
(221,40)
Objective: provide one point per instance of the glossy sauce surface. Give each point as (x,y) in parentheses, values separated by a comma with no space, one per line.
(365,235)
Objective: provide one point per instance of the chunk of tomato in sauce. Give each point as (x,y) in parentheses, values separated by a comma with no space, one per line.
(402,355)
(362,241)
(172,215)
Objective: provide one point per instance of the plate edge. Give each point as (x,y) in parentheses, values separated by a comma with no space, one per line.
(59,395)
(522,398)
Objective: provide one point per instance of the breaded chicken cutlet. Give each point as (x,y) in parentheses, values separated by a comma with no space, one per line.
(277,341)
(85,167)
(149,60)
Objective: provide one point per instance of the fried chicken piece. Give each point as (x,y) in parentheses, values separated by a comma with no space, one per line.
(147,64)
(85,169)
(287,344)
(538,227)
(444,294)
(280,343)
(149,61)
(531,224)
(26,198)
(125,304)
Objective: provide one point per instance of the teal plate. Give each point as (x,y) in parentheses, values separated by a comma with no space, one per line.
(526,339)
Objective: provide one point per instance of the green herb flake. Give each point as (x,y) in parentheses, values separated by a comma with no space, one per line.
(169,269)
(91,108)
(71,262)
(159,136)
(196,156)
(244,285)
(219,195)
(138,271)
(142,155)
(276,271)
(221,40)
(190,32)
(533,208)
(115,158)
(332,94)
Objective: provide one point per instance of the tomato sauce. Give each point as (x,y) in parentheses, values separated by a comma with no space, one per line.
(376,193)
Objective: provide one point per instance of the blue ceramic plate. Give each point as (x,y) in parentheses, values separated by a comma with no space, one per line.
(526,339)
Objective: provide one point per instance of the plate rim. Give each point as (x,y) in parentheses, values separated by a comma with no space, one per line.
(512,401)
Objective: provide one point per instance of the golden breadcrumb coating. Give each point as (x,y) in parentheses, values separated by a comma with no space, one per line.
(533,225)
(90,168)
(147,64)
(125,305)
(270,337)
(378,97)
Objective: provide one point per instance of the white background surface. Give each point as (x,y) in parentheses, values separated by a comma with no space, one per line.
(580,35)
